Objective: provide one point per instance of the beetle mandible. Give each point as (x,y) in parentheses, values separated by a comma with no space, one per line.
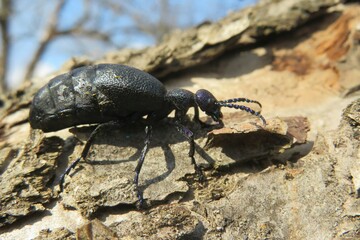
(113,94)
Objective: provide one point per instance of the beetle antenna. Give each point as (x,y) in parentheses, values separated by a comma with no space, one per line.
(233,100)
(241,107)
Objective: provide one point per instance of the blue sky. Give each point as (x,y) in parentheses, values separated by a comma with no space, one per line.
(31,16)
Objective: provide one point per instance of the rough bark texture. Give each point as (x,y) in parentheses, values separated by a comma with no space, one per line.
(296,178)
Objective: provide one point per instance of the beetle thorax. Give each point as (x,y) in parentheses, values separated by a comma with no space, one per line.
(180,99)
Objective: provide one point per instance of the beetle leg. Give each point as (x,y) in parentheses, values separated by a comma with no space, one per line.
(86,149)
(197,118)
(189,135)
(148,131)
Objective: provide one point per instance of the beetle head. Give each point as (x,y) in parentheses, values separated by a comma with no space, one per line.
(208,104)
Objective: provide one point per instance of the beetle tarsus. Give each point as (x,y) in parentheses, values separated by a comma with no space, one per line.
(66,172)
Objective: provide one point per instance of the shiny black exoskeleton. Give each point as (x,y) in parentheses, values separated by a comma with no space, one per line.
(110,94)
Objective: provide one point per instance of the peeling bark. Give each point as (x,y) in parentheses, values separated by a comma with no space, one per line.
(285,180)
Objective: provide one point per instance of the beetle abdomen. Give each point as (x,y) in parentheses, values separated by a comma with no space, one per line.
(95,94)
(130,88)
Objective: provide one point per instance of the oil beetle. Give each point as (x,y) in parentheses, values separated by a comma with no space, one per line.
(111,94)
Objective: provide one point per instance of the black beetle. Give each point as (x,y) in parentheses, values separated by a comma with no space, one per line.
(111,94)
